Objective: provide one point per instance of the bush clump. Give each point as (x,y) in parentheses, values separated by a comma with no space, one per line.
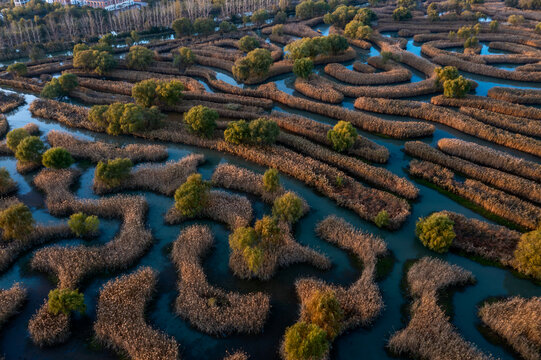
(18,69)
(30,150)
(259,16)
(60,86)
(528,254)
(255,64)
(14,137)
(436,232)
(182,27)
(457,88)
(260,131)
(446,73)
(147,92)
(308,9)
(192,196)
(248,43)
(401,14)
(303,67)
(183,57)
(120,118)
(204,26)
(304,341)
(324,310)
(57,158)
(6,182)
(357,30)
(382,218)
(65,301)
(113,172)
(100,62)
(271,180)
(342,136)
(201,120)
(288,207)
(313,47)
(139,57)
(16,222)
(83,225)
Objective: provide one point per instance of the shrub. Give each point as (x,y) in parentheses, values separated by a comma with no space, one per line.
(139,57)
(203,26)
(182,27)
(80,47)
(495,25)
(60,86)
(308,9)
(30,149)
(337,43)
(303,67)
(313,47)
(248,43)
(271,180)
(278,30)
(471,42)
(304,341)
(432,12)
(340,16)
(436,232)
(528,254)
(57,158)
(183,57)
(83,225)
(120,118)
(401,13)
(263,131)
(515,19)
(456,88)
(65,301)
(237,132)
(253,257)
(147,92)
(169,92)
(6,183)
(280,17)
(288,207)
(406,3)
(113,172)
(356,30)
(342,136)
(256,63)
(242,238)
(192,196)
(446,73)
(99,61)
(36,53)
(201,120)
(382,218)
(324,310)
(226,26)
(18,69)
(538,28)
(144,92)
(365,16)
(16,221)
(259,16)
(268,231)
(14,137)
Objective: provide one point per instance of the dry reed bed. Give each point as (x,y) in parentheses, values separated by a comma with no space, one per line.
(110,86)
(525,126)
(233,210)
(517,39)
(363,68)
(24,84)
(10,102)
(4,125)
(492,200)
(366,202)
(517,320)
(46,329)
(223,109)
(429,333)
(93,97)
(317,131)
(162,179)
(11,301)
(489,157)
(237,356)
(529,67)
(515,48)
(517,96)
(48,68)
(377,176)
(240,179)
(120,318)
(208,308)
(96,151)
(393,74)
(318,90)
(521,187)
(484,103)
(395,129)
(453,119)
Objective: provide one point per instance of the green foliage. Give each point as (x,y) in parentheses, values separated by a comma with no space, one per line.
(529,4)
(120,118)
(280,17)
(16,221)
(18,69)
(305,341)
(515,19)
(288,207)
(446,73)
(14,137)
(37,52)
(528,254)
(144,92)
(495,25)
(356,30)
(256,63)
(466,32)
(387,55)
(324,310)
(139,57)
(340,16)
(30,149)
(471,42)
(342,136)
(401,14)
(192,196)
(60,86)
(433,12)
(169,92)
(80,47)
(259,16)
(57,158)
(248,43)
(182,27)
(6,183)
(308,9)
(113,172)
(457,88)
(313,47)
(254,258)
(99,61)
(107,39)
(409,4)
(65,301)
(278,30)
(183,57)
(436,232)
(147,92)
(303,67)
(271,180)
(242,238)
(365,16)
(201,120)
(83,225)
(226,26)
(260,131)
(204,26)
(237,132)
(382,218)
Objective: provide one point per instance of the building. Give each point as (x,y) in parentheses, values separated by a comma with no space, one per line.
(107,4)
(20,2)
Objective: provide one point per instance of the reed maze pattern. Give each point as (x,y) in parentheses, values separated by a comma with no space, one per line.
(298,216)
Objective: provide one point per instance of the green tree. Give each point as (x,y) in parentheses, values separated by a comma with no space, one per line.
(495,25)
(268,231)
(537,28)
(401,13)
(457,88)
(144,92)
(342,136)
(287,207)
(57,158)
(16,222)
(256,63)
(259,16)
(446,73)
(201,120)
(336,43)
(104,62)
(254,258)
(30,149)
(471,42)
(139,57)
(436,232)
(226,27)
(382,218)
(365,16)
(68,82)
(324,310)
(433,12)
(60,86)
(280,17)
(113,172)
(248,43)
(303,67)
(305,341)
(515,19)
(169,92)
(65,301)
(18,69)
(237,132)
(204,26)
(278,30)
(271,180)
(80,47)
(36,53)
(14,137)
(192,196)
(83,225)
(84,59)
(528,254)
(6,183)
(243,237)
(263,131)
(183,57)
(340,16)
(182,27)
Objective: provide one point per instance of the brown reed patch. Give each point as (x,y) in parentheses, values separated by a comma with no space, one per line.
(318,90)
(120,318)
(392,73)
(517,96)
(9,102)
(24,84)
(46,329)
(525,126)
(10,302)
